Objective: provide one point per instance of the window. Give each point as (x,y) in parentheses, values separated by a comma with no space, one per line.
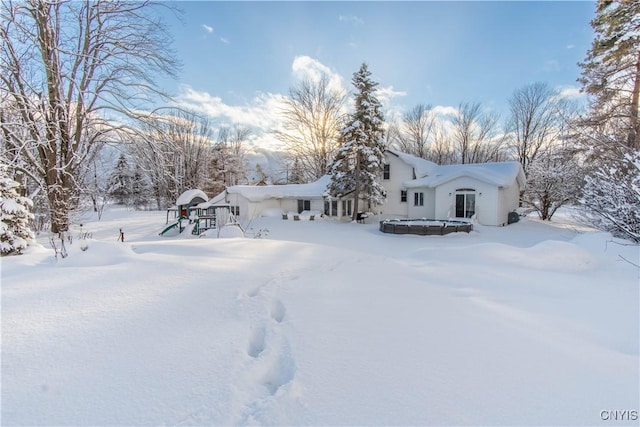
(465,203)
(235,210)
(331,208)
(418,199)
(387,172)
(347,207)
(403,195)
(304,205)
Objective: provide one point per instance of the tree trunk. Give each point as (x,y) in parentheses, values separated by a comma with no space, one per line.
(356,190)
(634,141)
(58,208)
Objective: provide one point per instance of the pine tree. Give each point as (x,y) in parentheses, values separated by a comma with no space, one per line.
(296,176)
(358,163)
(611,71)
(611,129)
(261,175)
(15,215)
(120,182)
(140,189)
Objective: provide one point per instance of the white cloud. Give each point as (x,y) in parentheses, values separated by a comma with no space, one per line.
(305,67)
(207,28)
(570,92)
(262,113)
(224,40)
(386,96)
(354,20)
(444,110)
(571,46)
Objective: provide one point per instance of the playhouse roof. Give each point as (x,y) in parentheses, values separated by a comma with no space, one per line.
(188,196)
(289,191)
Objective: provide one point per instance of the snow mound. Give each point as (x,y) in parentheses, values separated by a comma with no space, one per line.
(271,213)
(93,253)
(549,255)
(230,231)
(307,214)
(602,244)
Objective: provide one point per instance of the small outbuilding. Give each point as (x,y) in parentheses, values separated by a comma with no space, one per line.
(185,202)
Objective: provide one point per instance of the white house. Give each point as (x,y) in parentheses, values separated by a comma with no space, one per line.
(249,201)
(416,188)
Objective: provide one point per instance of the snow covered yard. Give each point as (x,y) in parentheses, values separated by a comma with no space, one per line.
(322,323)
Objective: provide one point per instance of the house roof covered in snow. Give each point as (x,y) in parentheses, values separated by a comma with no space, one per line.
(500,174)
(188,196)
(420,166)
(430,174)
(289,191)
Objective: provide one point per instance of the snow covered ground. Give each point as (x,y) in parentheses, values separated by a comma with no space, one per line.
(322,323)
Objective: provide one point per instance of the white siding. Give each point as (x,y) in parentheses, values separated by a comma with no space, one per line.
(251,210)
(317,205)
(509,201)
(486,200)
(241,202)
(427,210)
(399,173)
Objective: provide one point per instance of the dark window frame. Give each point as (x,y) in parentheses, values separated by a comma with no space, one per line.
(304,205)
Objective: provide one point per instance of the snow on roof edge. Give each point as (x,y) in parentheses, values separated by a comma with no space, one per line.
(500,174)
(259,193)
(188,196)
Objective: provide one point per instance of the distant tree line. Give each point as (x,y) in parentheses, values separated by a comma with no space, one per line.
(76,77)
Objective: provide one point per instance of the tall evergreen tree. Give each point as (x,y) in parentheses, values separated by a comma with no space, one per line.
(296,175)
(120,182)
(611,70)
(15,215)
(358,164)
(611,137)
(140,189)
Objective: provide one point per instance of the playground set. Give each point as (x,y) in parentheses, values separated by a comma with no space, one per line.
(193,213)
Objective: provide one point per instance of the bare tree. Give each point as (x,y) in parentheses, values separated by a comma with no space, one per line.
(313,117)
(555,179)
(414,134)
(65,66)
(441,151)
(474,134)
(229,165)
(538,116)
(175,151)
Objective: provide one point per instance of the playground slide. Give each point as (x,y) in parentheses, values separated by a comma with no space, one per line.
(170,227)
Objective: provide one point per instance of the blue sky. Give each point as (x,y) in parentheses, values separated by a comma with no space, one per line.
(240,58)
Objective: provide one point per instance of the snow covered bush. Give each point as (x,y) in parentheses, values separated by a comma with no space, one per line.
(15,214)
(554,180)
(612,195)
